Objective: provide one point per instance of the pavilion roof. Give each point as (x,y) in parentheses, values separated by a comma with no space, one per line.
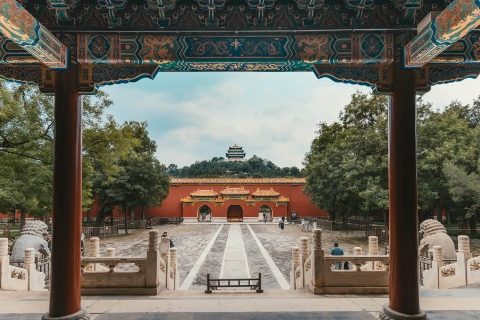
(204,193)
(241,191)
(265,193)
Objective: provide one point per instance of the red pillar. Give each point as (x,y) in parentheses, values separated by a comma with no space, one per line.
(67,201)
(403,217)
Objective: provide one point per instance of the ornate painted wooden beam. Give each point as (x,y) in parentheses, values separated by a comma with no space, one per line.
(439,32)
(18,25)
(296,52)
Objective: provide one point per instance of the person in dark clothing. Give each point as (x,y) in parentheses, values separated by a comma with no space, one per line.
(337,251)
(294,216)
(281,224)
(165,235)
(264,217)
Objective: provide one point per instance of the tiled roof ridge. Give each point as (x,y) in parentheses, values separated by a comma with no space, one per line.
(205,192)
(235,180)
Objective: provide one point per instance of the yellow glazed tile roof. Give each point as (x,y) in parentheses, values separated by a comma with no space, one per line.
(204,193)
(235,191)
(265,193)
(230,181)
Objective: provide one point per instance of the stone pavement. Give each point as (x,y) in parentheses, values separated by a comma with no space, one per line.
(234,263)
(276,304)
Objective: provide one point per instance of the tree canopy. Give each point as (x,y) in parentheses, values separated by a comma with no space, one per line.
(109,150)
(346,167)
(255,167)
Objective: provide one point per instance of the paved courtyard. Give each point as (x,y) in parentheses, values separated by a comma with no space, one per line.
(236,250)
(231,250)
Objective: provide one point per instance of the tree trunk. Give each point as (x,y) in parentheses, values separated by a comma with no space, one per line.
(132,214)
(125,212)
(143,212)
(473,225)
(101,215)
(22,219)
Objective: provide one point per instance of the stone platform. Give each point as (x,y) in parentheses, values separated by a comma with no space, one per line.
(232,305)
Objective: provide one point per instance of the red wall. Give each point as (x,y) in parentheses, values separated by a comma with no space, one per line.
(299,201)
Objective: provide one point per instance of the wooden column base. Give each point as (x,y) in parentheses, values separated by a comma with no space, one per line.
(389,314)
(80,315)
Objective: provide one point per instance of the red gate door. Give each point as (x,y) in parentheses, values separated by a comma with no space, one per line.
(235,214)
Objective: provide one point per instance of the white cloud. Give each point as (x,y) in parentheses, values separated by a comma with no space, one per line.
(274,116)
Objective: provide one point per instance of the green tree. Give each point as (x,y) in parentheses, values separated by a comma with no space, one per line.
(346,167)
(464,188)
(447,136)
(139,181)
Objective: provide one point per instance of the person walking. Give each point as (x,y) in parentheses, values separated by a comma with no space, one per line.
(165,235)
(264,217)
(337,251)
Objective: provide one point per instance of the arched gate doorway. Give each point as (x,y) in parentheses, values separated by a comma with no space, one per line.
(265,213)
(204,214)
(235,213)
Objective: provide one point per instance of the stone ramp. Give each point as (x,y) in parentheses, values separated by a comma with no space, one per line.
(235,264)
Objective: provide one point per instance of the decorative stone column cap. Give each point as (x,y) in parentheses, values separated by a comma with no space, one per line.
(437,253)
(3,247)
(153,240)
(317,239)
(29,256)
(463,244)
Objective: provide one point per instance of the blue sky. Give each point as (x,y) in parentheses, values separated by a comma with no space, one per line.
(196,116)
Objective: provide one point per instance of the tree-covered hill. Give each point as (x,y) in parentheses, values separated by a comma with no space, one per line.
(255,167)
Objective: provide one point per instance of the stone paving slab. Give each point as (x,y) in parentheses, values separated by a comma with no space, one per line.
(440,305)
(338,315)
(242,316)
(234,264)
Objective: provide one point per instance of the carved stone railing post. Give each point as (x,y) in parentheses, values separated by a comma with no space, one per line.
(437,262)
(164,253)
(373,245)
(304,248)
(317,260)
(305,254)
(173,274)
(152,278)
(463,255)
(373,249)
(464,246)
(94,247)
(296,278)
(4,263)
(29,265)
(93,251)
